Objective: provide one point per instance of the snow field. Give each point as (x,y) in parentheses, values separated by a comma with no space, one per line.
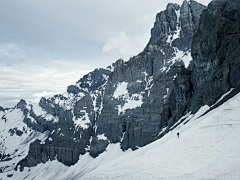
(208,148)
(55,170)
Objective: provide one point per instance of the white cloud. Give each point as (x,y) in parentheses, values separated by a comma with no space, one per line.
(9,103)
(144,24)
(46,94)
(20,80)
(130,42)
(146,21)
(120,44)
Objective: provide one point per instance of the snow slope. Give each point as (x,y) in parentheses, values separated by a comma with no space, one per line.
(16,137)
(208,148)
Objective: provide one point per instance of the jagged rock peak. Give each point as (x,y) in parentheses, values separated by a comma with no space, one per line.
(176,23)
(91,81)
(119,62)
(22,104)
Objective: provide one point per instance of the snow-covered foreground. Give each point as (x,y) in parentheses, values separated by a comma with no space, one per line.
(55,170)
(208,148)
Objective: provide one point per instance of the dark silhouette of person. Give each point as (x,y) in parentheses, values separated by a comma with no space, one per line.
(178,134)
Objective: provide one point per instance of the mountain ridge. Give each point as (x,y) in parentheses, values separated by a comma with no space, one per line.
(143,106)
(136,102)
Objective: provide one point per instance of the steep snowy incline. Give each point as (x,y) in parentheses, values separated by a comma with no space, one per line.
(16,137)
(208,148)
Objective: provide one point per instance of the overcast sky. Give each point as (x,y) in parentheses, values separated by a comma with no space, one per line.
(46,45)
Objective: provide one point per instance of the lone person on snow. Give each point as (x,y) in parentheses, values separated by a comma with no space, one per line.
(178,134)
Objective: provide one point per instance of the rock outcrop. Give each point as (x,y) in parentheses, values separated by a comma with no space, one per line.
(216,52)
(176,25)
(93,80)
(1,108)
(51,107)
(37,122)
(65,144)
(157,79)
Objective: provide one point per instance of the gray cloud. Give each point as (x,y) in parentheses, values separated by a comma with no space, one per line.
(47,45)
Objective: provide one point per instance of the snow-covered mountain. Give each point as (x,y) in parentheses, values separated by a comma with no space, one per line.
(207,148)
(183,73)
(28,121)
(16,135)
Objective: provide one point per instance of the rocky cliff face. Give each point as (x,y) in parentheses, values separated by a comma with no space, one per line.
(28,121)
(215,52)
(176,25)
(87,84)
(20,126)
(132,104)
(34,117)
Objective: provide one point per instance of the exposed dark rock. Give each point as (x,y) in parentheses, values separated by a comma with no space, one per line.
(215,52)
(65,144)
(168,98)
(98,146)
(51,107)
(15,131)
(163,103)
(22,105)
(39,124)
(168,21)
(234,92)
(4,109)
(4,157)
(9,175)
(216,58)
(93,80)
(74,89)
(190,14)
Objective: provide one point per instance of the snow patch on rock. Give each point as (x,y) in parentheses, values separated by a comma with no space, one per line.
(121,90)
(101,137)
(83,121)
(130,101)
